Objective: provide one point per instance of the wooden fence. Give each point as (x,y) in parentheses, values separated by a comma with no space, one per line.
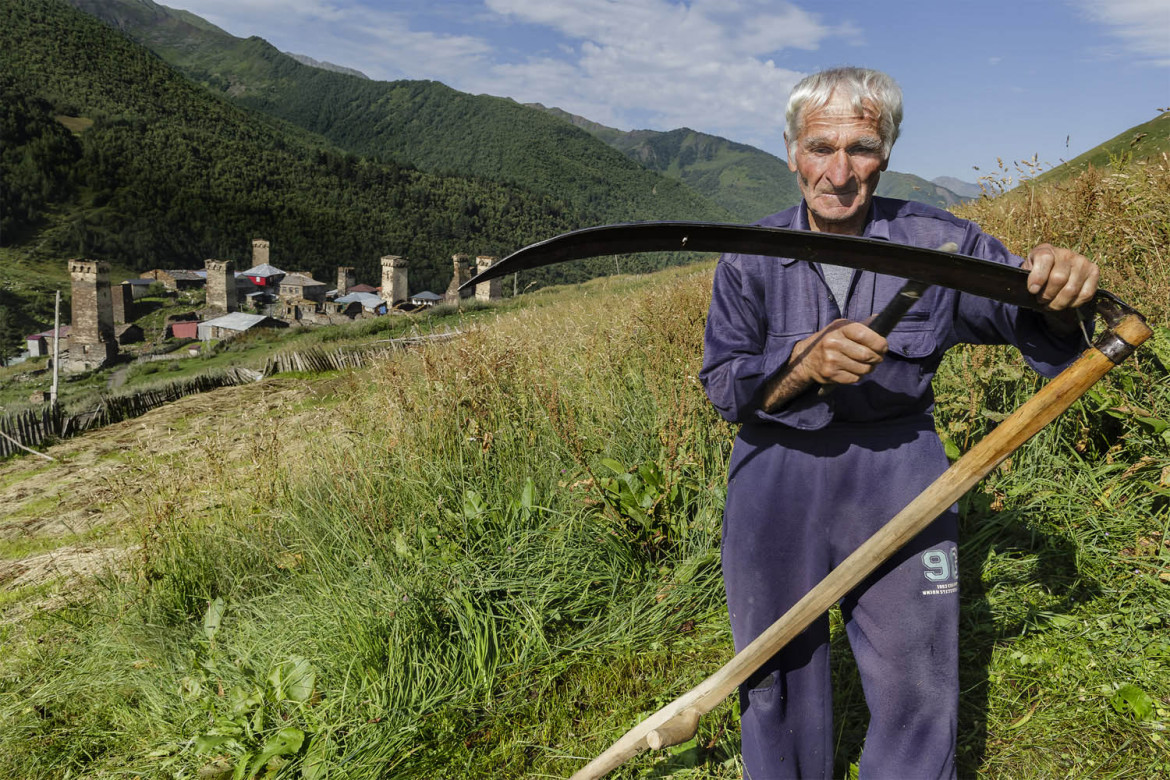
(317,360)
(34,427)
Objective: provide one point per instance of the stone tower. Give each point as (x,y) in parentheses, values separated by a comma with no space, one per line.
(91,339)
(462,273)
(259,251)
(122,297)
(394,289)
(345,280)
(491,290)
(221,285)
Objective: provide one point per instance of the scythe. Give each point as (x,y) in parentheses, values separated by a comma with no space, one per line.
(1126,329)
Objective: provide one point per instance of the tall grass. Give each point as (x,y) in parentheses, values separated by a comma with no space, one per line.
(504,550)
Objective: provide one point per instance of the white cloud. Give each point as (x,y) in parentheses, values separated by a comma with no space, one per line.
(707,64)
(1143,26)
(382,44)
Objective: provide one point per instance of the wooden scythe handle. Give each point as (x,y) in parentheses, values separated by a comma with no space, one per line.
(677,722)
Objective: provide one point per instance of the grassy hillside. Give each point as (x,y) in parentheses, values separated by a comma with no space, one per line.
(417,123)
(487,559)
(1148,141)
(745,180)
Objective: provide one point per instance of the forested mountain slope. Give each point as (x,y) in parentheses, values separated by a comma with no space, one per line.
(109,153)
(418,123)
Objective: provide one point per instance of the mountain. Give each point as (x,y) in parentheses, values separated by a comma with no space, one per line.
(907,186)
(422,124)
(747,181)
(109,153)
(305,59)
(963,189)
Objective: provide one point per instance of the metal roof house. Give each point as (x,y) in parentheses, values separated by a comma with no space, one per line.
(139,287)
(234,324)
(265,275)
(426,298)
(369,301)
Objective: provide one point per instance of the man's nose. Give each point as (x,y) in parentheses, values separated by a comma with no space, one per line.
(839,170)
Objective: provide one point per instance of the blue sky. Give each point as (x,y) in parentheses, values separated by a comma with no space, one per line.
(982,80)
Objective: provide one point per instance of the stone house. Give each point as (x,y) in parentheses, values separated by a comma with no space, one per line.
(41,344)
(176,279)
(295,287)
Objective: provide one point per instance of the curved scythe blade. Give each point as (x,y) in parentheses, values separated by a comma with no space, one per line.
(967,274)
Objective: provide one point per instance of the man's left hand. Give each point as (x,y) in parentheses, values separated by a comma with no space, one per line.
(1060,278)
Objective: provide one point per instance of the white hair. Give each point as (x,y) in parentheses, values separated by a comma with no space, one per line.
(860,86)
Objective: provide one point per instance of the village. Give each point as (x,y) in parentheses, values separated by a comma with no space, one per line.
(232,303)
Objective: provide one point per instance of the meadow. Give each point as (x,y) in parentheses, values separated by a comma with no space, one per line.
(489,558)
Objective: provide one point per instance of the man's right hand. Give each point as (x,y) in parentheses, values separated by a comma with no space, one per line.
(840,353)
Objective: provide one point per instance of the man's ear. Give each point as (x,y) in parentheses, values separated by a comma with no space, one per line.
(788,154)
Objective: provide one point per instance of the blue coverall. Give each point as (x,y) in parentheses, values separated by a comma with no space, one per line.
(811,481)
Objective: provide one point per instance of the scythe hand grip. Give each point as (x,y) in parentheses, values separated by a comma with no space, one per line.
(677,721)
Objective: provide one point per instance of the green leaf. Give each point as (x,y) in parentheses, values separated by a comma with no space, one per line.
(473,505)
(301,680)
(292,680)
(213,617)
(613,465)
(952,450)
(190,688)
(528,494)
(1132,700)
(242,767)
(284,742)
(288,740)
(243,702)
(206,743)
(1153,423)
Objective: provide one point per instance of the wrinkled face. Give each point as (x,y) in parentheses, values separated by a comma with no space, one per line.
(837,160)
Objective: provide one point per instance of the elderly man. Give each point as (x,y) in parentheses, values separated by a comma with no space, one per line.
(813,475)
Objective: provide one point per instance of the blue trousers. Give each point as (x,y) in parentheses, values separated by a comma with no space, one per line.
(795,509)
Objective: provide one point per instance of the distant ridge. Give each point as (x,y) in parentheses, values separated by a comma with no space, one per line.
(747,181)
(305,59)
(961,188)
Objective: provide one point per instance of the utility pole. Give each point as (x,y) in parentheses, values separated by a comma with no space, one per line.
(56,349)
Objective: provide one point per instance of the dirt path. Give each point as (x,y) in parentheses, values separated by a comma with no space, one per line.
(117,378)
